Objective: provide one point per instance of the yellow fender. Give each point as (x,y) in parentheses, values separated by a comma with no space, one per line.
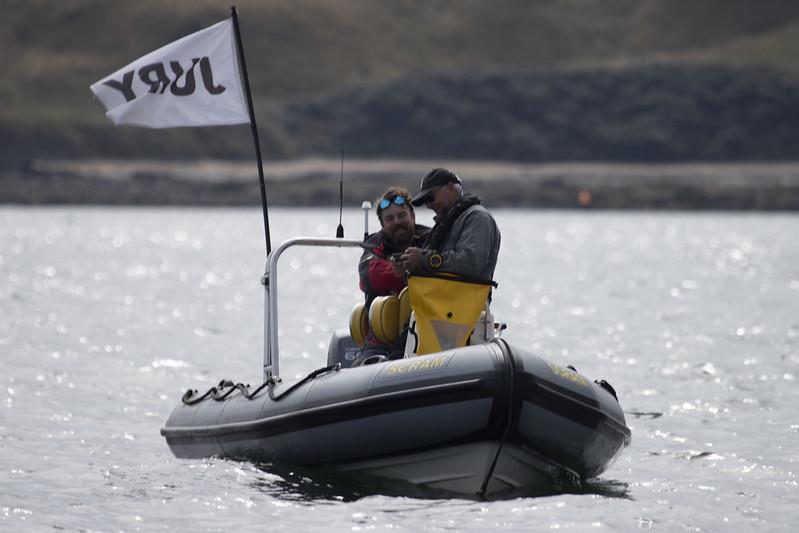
(383,318)
(404,315)
(359,324)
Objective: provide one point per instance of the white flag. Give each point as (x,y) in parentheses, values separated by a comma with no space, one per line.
(193,81)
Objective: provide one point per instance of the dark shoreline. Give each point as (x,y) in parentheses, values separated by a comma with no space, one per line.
(766,186)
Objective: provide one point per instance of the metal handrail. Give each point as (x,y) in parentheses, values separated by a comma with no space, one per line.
(271,357)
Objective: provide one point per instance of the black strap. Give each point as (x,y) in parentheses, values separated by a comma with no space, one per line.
(454,276)
(510,374)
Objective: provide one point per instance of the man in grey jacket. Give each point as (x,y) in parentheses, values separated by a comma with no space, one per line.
(465,239)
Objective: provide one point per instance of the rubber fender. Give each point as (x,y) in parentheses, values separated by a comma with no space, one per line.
(383,318)
(404,315)
(359,324)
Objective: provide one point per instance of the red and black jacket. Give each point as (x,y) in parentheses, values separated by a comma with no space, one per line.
(375,268)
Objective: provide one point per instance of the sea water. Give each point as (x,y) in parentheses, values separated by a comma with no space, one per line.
(108,315)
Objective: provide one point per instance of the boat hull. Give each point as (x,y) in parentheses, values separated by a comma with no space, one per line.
(475,420)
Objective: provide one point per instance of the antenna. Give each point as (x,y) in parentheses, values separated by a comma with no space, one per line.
(366,206)
(340,229)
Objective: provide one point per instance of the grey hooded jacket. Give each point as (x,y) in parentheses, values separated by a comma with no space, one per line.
(470,248)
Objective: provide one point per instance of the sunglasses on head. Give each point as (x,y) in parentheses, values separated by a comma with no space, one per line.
(396,200)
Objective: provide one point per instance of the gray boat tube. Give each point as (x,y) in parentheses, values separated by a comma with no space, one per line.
(475,420)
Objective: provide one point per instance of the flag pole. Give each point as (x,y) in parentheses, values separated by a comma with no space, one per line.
(253,126)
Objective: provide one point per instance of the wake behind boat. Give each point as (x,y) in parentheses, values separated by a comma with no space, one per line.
(477,420)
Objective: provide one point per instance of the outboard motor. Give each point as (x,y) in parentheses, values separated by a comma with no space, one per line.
(342,349)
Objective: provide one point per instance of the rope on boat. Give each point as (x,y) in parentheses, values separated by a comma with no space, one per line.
(226,387)
(304,380)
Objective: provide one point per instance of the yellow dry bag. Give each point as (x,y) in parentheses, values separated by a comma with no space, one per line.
(446,308)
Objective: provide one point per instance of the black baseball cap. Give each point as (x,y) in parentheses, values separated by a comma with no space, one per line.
(436,178)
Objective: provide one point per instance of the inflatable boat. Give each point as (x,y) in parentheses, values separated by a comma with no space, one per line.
(480,419)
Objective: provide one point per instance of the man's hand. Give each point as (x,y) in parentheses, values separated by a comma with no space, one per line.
(412,258)
(396,264)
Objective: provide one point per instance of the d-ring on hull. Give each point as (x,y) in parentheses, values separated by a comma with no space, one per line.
(473,420)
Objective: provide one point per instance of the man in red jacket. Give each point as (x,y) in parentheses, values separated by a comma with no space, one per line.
(380,270)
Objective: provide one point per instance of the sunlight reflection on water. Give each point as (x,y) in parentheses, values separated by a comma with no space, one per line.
(108,315)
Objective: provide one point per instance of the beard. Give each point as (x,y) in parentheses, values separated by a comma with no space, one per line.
(401,235)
